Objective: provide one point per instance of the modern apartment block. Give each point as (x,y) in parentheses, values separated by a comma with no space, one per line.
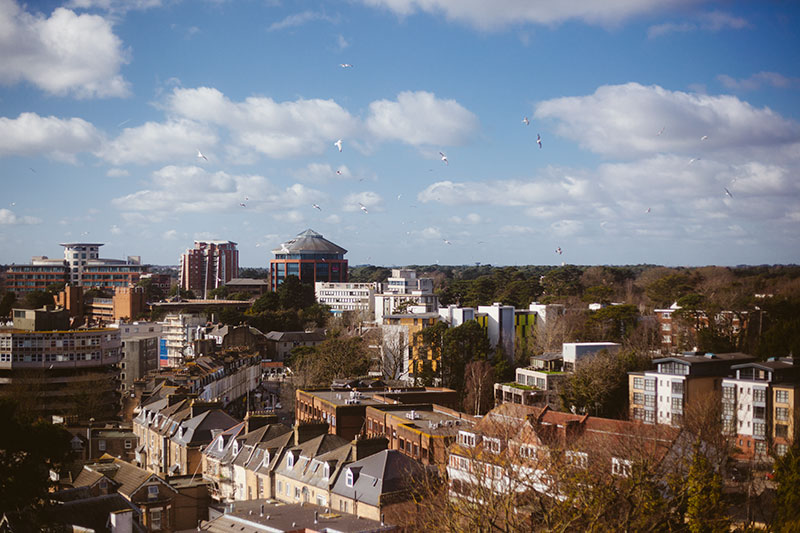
(342,296)
(661,396)
(310,257)
(404,288)
(499,322)
(81,266)
(759,407)
(57,370)
(179,331)
(575,352)
(210,264)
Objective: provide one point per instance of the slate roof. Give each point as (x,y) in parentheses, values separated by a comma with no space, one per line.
(248,441)
(197,430)
(92,513)
(381,473)
(296,336)
(309,242)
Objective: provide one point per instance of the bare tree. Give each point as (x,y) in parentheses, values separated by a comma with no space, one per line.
(479,381)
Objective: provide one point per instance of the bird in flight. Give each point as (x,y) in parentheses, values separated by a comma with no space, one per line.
(339,172)
(363,208)
(648,210)
(444,158)
(692,160)
(558,250)
(446,241)
(704,137)
(539,140)
(201,156)
(243,204)
(316,206)
(13,204)
(728,192)
(661,131)
(526,121)
(338,144)
(346,65)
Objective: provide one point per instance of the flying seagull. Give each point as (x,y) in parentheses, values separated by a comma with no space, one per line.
(339,172)
(539,140)
(13,204)
(558,250)
(728,192)
(648,210)
(363,208)
(444,158)
(201,156)
(446,241)
(661,131)
(704,137)
(346,65)
(338,144)
(692,160)
(316,206)
(526,121)
(243,205)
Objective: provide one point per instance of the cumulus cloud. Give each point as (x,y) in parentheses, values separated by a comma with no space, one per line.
(493,15)
(711,21)
(758,80)
(62,54)
(472,218)
(32,134)
(9,218)
(510,193)
(117,173)
(114,5)
(170,235)
(624,121)
(154,142)
(276,129)
(301,19)
(369,199)
(419,118)
(193,189)
(322,173)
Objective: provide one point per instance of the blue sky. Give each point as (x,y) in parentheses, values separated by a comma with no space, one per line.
(648,112)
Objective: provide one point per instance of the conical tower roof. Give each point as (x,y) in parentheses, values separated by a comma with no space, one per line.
(309,242)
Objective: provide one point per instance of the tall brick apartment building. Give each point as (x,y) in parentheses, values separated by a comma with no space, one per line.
(208,265)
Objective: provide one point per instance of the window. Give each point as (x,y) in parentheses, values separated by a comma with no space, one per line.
(326,470)
(759,412)
(349,479)
(101,445)
(527,451)
(638,398)
(759,395)
(280,486)
(638,383)
(650,384)
(152,492)
(466,439)
(677,387)
(782,396)
(761,447)
(577,459)
(677,405)
(128,444)
(781,430)
(297,493)
(492,444)
(781,449)
(649,416)
(290,460)
(759,429)
(650,400)
(728,393)
(781,413)
(638,413)
(155,519)
(620,467)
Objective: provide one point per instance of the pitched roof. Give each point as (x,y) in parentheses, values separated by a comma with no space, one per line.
(197,430)
(296,336)
(381,473)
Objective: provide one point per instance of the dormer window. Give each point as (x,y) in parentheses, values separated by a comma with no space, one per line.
(620,467)
(290,460)
(577,459)
(492,444)
(220,444)
(326,470)
(235,447)
(467,439)
(349,478)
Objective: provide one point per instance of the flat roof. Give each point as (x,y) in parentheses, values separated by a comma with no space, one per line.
(432,422)
(339,397)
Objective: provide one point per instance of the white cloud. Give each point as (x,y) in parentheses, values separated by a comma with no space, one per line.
(277,129)
(114,5)
(505,192)
(117,173)
(472,218)
(115,230)
(419,118)
(9,218)
(193,189)
(170,235)
(154,142)
(341,42)
(333,219)
(758,80)
(31,134)
(712,21)
(368,199)
(566,228)
(492,15)
(300,19)
(62,54)
(517,229)
(322,173)
(624,120)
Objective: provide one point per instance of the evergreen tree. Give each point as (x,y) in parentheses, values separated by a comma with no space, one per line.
(706,511)
(787,496)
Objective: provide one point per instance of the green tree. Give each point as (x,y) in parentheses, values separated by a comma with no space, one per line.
(667,289)
(185,294)
(613,323)
(706,510)
(294,294)
(336,358)
(28,450)
(315,315)
(36,300)
(787,496)
(152,292)
(598,294)
(269,301)
(7,303)
(55,288)
(460,346)
(563,281)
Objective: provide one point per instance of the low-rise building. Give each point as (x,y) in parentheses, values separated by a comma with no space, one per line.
(253,287)
(342,296)
(281,343)
(575,352)
(539,384)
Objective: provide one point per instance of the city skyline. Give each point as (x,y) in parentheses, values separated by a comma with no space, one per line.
(670,131)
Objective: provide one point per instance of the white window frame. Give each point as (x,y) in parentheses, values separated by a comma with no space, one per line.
(577,459)
(621,467)
(349,479)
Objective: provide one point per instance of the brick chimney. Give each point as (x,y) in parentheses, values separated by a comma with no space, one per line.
(361,448)
(307,431)
(255,419)
(199,407)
